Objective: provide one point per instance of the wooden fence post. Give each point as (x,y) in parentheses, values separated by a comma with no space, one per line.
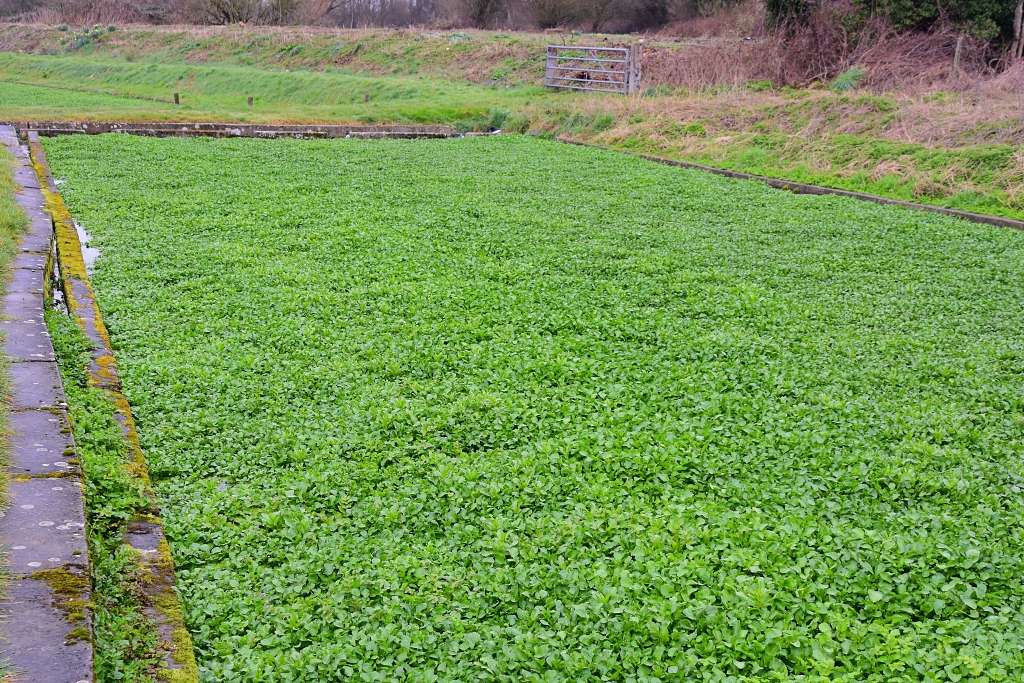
(956,57)
(635,72)
(176,101)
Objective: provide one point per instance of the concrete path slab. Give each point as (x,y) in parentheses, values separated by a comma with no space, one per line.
(34,242)
(26,280)
(40,223)
(35,385)
(29,261)
(26,177)
(44,638)
(27,341)
(40,443)
(31,199)
(22,305)
(44,528)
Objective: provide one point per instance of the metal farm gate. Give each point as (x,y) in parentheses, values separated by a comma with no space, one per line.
(599,69)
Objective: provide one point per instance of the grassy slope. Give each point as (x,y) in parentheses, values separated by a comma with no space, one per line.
(219,92)
(13,222)
(473,56)
(777,142)
(446,421)
(880,145)
(12,219)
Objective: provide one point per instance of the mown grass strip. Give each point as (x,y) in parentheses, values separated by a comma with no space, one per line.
(505,409)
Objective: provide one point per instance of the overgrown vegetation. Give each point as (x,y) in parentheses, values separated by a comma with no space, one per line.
(124,638)
(449,421)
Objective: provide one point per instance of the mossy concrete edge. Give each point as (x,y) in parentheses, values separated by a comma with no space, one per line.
(145,534)
(234,130)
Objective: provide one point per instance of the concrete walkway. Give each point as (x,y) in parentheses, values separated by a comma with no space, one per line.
(45,619)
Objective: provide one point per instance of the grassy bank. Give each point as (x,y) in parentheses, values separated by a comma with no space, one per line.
(424,414)
(13,223)
(956,149)
(219,93)
(459,56)
(830,140)
(13,220)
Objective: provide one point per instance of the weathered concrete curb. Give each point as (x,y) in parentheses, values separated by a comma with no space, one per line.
(46,616)
(232,130)
(804,188)
(144,533)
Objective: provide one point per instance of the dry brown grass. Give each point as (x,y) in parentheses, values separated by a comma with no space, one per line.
(818,51)
(738,21)
(87,12)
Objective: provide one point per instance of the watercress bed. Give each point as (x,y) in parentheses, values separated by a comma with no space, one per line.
(499,409)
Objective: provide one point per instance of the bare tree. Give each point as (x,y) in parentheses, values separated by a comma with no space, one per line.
(226,11)
(551,13)
(482,13)
(1017,46)
(596,13)
(261,12)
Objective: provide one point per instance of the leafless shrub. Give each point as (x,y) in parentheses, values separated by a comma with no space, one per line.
(594,14)
(738,20)
(552,13)
(919,60)
(481,13)
(89,12)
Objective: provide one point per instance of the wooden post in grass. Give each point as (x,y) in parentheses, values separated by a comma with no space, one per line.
(634,69)
(176,100)
(956,57)
(249,100)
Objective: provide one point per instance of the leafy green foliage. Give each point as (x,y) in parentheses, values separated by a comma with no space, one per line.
(983,18)
(125,641)
(417,410)
(124,638)
(86,36)
(112,494)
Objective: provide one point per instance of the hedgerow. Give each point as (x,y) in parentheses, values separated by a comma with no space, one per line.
(500,409)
